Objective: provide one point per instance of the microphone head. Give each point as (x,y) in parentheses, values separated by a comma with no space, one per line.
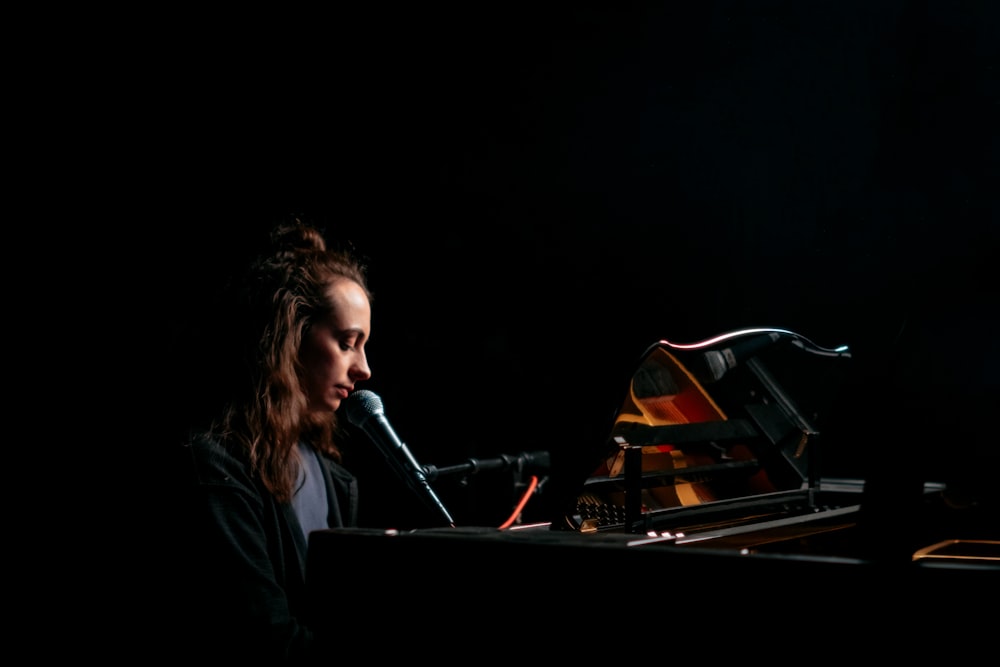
(360,405)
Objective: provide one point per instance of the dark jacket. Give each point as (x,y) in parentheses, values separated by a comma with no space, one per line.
(239,558)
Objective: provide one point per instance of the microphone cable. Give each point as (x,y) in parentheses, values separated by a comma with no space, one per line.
(520,505)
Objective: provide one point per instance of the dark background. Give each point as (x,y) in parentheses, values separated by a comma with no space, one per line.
(544,191)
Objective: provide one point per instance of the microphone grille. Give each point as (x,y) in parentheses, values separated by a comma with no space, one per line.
(361,405)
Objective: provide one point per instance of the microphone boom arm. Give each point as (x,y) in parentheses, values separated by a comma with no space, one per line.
(503,462)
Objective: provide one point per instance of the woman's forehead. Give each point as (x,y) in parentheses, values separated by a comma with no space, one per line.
(350,305)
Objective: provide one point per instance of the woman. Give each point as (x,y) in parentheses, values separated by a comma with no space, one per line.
(263,469)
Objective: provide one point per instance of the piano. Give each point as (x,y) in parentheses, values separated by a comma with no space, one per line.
(709,500)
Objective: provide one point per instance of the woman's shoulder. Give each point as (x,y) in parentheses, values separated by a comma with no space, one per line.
(337,470)
(206,459)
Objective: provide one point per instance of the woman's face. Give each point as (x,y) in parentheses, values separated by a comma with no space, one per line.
(333,349)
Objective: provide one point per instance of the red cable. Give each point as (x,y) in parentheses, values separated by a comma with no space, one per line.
(520,505)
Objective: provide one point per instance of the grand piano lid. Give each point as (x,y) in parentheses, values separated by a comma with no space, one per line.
(710,422)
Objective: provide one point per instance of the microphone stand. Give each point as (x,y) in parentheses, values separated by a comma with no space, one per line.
(518,463)
(502,462)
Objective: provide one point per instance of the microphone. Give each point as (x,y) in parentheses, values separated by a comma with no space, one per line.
(363,409)
(719,362)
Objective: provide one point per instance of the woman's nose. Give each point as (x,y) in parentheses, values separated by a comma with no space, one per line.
(361,370)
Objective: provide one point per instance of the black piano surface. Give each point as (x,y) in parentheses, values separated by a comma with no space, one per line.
(530,591)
